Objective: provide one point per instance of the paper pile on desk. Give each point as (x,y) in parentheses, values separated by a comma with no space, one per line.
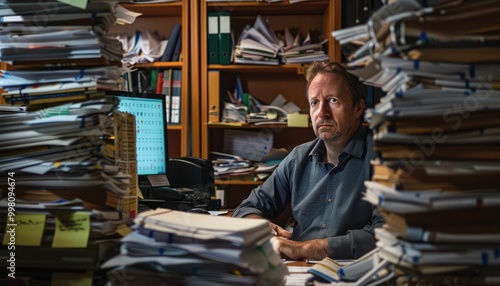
(197,249)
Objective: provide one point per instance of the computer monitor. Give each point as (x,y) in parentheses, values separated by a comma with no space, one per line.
(151,131)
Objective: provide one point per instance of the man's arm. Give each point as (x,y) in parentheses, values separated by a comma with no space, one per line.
(352,245)
(314,249)
(357,241)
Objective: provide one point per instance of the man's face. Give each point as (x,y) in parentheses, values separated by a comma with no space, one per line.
(333,114)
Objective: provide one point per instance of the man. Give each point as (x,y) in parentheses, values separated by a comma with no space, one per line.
(323,180)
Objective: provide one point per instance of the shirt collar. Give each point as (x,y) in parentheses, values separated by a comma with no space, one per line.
(355,147)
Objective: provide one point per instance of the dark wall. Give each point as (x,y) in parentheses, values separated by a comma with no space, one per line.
(357,12)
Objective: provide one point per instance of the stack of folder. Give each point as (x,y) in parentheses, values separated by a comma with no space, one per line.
(186,248)
(436,135)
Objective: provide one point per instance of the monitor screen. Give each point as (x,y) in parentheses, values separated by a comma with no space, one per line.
(151,131)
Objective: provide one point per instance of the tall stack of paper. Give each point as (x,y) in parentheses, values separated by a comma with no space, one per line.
(58,169)
(57,53)
(126,160)
(64,197)
(196,249)
(437,135)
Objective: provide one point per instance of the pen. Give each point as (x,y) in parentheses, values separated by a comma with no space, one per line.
(273,232)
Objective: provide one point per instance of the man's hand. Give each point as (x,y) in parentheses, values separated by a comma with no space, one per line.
(310,249)
(276,229)
(279,231)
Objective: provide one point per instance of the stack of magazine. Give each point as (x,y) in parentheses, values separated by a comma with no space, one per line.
(437,136)
(186,248)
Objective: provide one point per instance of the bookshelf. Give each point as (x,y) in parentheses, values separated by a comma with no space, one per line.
(263,82)
(161,18)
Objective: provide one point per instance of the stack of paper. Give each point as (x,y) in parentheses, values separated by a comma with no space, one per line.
(257,45)
(436,134)
(296,51)
(65,200)
(196,249)
(59,171)
(66,56)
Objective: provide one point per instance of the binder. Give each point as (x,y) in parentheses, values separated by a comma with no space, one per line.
(214,102)
(224,38)
(177,50)
(213,38)
(175,117)
(167,91)
(169,50)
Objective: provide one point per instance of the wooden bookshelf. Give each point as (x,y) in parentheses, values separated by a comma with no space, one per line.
(160,18)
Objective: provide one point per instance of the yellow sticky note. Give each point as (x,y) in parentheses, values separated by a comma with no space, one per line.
(72,278)
(77,3)
(27,229)
(298,120)
(72,230)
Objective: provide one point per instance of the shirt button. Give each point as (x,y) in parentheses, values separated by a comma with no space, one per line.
(329,200)
(323,226)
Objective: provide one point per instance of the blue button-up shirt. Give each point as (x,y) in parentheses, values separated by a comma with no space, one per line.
(325,199)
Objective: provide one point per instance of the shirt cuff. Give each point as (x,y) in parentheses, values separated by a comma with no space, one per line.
(339,246)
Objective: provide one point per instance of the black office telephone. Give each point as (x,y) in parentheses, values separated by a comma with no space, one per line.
(191,184)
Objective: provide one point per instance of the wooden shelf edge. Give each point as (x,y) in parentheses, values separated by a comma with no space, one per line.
(299,68)
(250,126)
(155,9)
(174,127)
(160,65)
(238,182)
(279,8)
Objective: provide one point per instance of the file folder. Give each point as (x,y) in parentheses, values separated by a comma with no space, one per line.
(213,38)
(169,50)
(176,56)
(214,101)
(224,38)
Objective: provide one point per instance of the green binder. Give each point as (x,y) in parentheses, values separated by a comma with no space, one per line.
(225,51)
(213,38)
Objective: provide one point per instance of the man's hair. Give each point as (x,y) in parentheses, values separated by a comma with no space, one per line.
(355,87)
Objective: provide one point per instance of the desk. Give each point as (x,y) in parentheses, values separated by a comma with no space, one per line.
(298,272)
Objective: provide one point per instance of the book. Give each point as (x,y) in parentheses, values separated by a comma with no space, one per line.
(175,108)
(327,268)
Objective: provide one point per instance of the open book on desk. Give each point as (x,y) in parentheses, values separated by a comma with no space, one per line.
(369,269)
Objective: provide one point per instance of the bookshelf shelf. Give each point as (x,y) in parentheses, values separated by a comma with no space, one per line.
(159,9)
(287,68)
(281,8)
(175,65)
